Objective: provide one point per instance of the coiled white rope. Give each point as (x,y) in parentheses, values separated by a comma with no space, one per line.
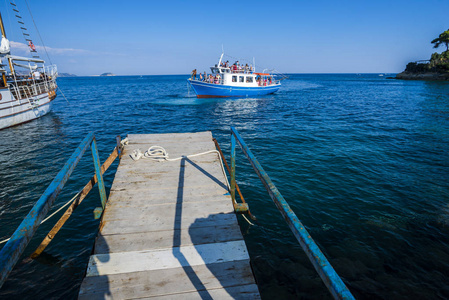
(58,210)
(124,142)
(160,154)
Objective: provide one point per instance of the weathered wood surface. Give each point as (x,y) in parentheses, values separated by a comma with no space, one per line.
(169,230)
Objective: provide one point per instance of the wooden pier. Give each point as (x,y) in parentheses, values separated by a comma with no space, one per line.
(169,230)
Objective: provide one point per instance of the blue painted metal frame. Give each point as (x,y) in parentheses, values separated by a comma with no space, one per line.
(327,273)
(11,252)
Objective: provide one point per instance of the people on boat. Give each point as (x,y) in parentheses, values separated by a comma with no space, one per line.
(201,77)
(37,75)
(194,74)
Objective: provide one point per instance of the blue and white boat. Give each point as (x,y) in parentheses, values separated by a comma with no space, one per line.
(233,81)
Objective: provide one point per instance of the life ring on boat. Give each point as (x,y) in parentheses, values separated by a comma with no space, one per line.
(31,45)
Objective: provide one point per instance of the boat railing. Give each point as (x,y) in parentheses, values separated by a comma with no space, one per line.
(214,80)
(273,82)
(11,252)
(327,273)
(51,71)
(29,88)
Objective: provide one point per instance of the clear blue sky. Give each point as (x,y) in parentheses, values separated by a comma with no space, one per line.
(174,37)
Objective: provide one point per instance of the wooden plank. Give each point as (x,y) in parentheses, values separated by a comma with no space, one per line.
(187,190)
(234,292)
(142,225)
(170,281)
(155,185)
(160,169)
(136,199)
(167,211)
(164,137)
(135,261)
(201,177)
(164,239)
(204,168)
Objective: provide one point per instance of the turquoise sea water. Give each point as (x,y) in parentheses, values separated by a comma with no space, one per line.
(362,160)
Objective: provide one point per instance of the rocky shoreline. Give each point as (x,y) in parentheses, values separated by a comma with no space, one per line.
(423,76)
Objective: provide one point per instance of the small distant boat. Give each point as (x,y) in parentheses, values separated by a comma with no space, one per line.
(233,81)
(27,86)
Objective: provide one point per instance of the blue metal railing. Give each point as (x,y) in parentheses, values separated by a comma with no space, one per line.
(11,252)
(327,273)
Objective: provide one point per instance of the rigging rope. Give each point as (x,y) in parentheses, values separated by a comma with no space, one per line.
(63,95)
(58,210)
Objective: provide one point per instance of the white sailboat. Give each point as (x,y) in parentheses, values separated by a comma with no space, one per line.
(27,86)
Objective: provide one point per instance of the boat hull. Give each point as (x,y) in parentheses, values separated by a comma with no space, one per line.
(210,90)
(14,112)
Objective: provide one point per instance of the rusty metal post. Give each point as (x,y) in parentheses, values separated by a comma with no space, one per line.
(97,165)
(98,211)
(233,168)
(238,207)
(119,146)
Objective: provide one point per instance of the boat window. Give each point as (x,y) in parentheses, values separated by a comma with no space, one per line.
(241,78)
(249,78)
(234,78)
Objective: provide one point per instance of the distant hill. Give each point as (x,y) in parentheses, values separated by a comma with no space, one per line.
(107,74)
(66,75)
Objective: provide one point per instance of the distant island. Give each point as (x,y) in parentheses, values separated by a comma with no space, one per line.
(66,75)
(437,68)
(107,74)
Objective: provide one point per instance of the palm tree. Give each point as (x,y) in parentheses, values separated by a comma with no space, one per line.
(442,39)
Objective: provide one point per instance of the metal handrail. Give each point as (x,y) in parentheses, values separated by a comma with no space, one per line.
(327,273)
(36,89)
(11,252)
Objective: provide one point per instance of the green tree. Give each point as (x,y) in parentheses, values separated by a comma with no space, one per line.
(442,39)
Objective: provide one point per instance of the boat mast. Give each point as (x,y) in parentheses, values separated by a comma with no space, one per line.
(221,57)
(2,27)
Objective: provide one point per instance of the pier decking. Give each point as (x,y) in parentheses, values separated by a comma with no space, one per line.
(169,230)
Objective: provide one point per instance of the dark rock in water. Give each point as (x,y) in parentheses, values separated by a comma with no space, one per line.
(423,76)
(107,74)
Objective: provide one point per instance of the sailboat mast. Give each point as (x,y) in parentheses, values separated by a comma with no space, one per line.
(2,28)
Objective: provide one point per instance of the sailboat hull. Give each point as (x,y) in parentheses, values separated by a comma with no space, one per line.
(14,112)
